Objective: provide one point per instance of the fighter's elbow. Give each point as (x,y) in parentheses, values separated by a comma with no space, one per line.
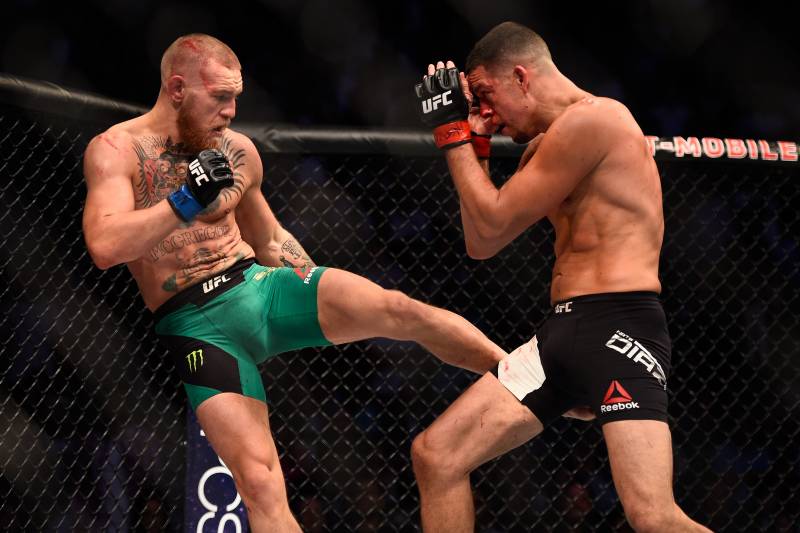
(102,255)
(478,255)
(484,240)
(479,249)
(103,265)
(100,260)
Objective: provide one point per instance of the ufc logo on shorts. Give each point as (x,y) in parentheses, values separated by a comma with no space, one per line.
(213,283)
(432,104)
(630,347)
(564,308)
(197,170)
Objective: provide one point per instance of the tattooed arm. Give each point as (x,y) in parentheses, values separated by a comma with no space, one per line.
(115,233)
(273,245)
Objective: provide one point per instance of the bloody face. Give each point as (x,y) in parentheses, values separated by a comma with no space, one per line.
(503,102)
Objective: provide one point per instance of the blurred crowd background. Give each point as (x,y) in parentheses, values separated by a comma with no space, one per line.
(684,67)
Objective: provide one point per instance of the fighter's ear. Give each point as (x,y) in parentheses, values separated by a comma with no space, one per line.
(521,77)
(176,88)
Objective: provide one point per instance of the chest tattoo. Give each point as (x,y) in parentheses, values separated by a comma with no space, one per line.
(163,165)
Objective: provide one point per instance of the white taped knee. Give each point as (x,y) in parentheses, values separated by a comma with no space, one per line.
(521,371)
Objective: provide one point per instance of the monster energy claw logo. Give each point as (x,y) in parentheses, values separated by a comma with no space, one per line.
(192,359)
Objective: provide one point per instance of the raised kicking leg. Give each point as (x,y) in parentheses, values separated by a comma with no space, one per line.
(353,308)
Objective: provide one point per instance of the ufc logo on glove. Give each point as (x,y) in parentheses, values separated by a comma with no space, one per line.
(432,104)
(198,193)
(444,108)
(196,168)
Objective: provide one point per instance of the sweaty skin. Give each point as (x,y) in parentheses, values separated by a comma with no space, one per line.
(134,166)
(196,250)
(192,251)
(609,229)
(589,172)
(131,168)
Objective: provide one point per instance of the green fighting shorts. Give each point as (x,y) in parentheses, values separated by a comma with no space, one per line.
(218,331)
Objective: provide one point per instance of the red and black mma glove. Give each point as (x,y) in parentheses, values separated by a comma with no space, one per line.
(444,108)
(209,173)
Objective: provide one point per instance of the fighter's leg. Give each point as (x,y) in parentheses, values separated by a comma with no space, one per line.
(238,429)
(484,422)
(352,308)
(640,452)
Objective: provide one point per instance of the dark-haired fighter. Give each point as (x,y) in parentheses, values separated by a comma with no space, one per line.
(229,286)
(588,171)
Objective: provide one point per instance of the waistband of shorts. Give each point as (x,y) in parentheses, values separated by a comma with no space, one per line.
(566,305)
(206,290)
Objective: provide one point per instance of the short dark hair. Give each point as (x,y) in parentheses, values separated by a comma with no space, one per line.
(506,43)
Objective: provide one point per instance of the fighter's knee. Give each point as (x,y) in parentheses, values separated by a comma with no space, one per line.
(430,456)
(421,456)
(646,517)
(260,486)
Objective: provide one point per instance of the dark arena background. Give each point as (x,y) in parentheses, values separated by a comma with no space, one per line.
(94,430)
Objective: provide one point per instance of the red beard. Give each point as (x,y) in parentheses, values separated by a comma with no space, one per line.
(193,137)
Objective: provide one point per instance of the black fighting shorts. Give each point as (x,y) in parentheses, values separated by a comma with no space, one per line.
(608,351)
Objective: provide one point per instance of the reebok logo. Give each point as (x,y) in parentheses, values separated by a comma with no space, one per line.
(305,276)
(307,279)
(432,104)
(617,399)
(214,282)
(196,170)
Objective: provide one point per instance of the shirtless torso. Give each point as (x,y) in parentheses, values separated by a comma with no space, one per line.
(605,342)
(138,165)
(138,213)
(609,229)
